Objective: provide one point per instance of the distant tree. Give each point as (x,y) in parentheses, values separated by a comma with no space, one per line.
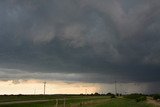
(137,97)
(111,95)
(96,94)
(91,94)
(156,96)
(81,94)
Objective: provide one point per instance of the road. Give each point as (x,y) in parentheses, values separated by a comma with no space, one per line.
(34,101)
(29,101)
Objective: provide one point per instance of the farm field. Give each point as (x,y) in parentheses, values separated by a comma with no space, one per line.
(69,101)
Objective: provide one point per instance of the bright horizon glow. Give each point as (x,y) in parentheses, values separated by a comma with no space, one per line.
(60,87)
(52,87)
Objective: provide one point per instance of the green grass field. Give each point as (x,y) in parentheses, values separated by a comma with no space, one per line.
(72,101)
(124,103)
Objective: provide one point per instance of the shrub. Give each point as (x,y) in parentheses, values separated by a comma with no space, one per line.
(113,96)
(137,97)
(142,98)
(156,96)
(96,94)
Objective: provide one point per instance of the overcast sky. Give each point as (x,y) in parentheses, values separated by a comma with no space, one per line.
(95,41)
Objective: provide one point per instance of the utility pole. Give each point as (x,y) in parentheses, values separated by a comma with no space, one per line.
(34,91)
(44,87)
(115,87)
(64,103)
(86,91)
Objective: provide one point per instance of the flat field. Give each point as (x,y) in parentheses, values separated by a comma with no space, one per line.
(69,101)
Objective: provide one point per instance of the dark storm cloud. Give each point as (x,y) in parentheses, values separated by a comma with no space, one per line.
(105,38)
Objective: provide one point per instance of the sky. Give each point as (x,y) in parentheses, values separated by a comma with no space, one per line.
(80,43)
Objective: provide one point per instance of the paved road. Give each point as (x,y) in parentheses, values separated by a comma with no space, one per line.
(34,101)
(29,101)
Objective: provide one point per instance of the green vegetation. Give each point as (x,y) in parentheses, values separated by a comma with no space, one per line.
(121,102)
(77,101)
(136,97)
(156,96)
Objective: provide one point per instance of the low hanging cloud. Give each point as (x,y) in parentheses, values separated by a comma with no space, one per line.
(96,40)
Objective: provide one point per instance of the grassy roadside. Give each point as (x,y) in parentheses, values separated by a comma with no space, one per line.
(122,102)
(69,101)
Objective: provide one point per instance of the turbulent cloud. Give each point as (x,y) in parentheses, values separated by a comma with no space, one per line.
(99,40)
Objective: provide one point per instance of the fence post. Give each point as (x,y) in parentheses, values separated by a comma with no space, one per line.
(64,103)
(81,104)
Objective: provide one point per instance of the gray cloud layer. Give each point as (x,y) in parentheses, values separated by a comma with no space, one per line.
(106,38)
